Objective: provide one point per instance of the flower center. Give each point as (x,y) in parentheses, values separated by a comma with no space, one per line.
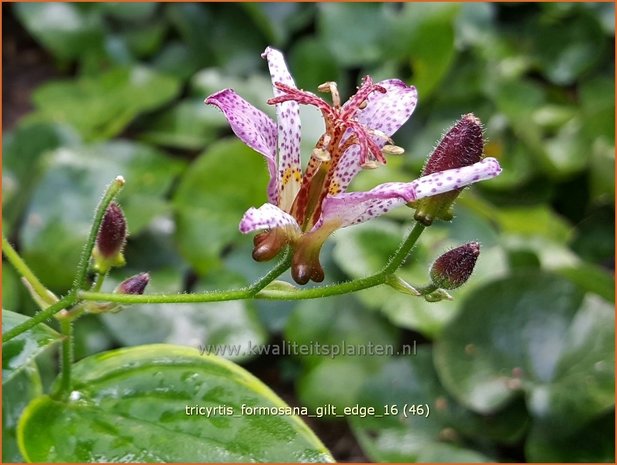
(342,131)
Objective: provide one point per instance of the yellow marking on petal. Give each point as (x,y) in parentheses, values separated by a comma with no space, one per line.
(334,188)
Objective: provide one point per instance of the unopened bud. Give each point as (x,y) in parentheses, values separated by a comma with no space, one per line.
(133,285)
(462,145)
(110,239)
(454,267)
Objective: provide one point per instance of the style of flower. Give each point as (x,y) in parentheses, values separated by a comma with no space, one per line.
(305,208)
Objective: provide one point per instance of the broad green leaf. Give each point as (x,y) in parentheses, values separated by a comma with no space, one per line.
(334,381)
(16,395)
(591,278)
(588,357)
(229,329)
(59,216)
(22,152)
(278,21)
(532,333)
(190,125)
(337,323)
(131,405)
(101,106)
(355,34)
(565,49)
(424,34)
(20,351)
(594,443)
(211,198)
(130,11)
(67,30)
(405,437)
(313,64)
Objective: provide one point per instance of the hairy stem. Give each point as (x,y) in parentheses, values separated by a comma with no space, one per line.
(84,259)
(66,328)
(274,273)
(14,259)
(395,262)
(43,315)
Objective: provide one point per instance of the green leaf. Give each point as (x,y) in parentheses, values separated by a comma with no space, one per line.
(532,333)
(22,152)
(591,278)
(101,106)
(594,443)
(588,357)
(16,395)
(568,47)
(502,333)
(424,34)
(190,125)
(313,64)
(23,349)
(336,322)
(405,437)
(67,30)
(60,214)
(355,34)
(211,198)
(229,329)
(131,404)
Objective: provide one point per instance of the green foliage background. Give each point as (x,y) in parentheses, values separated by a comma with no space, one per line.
(518,367)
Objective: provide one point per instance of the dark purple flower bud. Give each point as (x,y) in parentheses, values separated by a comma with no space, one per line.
(454,267)
(112,233)
(134,285)
(462,145)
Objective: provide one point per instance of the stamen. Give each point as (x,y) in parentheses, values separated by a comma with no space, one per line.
(331,87)
(321,154)
(389,149)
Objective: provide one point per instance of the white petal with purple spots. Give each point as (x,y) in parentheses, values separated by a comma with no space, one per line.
(253,127)
(384,112)
(288,119)
(356,207)
(267,216)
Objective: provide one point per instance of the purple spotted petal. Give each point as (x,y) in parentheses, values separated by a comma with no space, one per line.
(253,127)
(288,119)
(384,112)
(353,208)
(267,216)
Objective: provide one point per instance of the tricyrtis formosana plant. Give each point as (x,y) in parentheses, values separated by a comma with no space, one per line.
(305,206)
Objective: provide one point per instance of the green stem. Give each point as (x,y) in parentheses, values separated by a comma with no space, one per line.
(84,260)
(50,311)
(21,267)
(66,327)
(98,283)
(274,273)
(404,249)
(253,291)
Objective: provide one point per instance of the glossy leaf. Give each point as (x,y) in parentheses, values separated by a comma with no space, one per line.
(131,404)
(16,395)
(20,351)
(58,219)
(532,333)
(65,29)
(101,106)
(405,437)
(211,198)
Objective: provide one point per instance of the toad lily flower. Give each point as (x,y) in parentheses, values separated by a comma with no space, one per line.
(305,208)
